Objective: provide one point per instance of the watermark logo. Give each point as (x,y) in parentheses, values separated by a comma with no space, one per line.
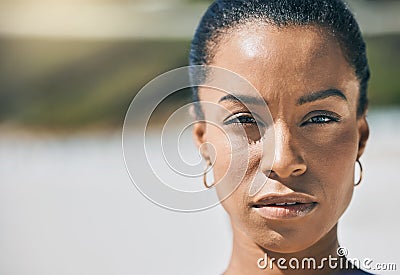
(166,168)
(330,262)
(342,251)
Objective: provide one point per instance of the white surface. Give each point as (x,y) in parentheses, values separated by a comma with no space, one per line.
(67,206)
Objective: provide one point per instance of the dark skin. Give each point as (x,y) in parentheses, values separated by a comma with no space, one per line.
(317,142)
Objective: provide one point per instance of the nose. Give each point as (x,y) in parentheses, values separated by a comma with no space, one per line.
(289,160)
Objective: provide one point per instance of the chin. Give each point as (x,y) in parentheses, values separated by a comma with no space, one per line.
(278,243)
(284,238)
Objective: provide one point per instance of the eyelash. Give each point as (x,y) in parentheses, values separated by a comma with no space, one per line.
(249,119)
(236,120)
(327,118)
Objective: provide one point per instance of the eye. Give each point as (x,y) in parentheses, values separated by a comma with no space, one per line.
(243,119)
(240,119)
(253,128)
(319,119)
(322,118)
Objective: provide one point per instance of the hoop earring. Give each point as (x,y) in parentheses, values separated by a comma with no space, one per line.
(361,173)
(205,175)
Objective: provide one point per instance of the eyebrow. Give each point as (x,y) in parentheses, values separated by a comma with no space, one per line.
(314,96)
(321,95)
(242,99)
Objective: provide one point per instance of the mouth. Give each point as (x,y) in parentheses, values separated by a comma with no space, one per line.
(284,206)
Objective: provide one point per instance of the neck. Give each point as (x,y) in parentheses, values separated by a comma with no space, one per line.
(246,256)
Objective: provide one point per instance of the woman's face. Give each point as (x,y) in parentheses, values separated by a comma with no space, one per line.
(312,94)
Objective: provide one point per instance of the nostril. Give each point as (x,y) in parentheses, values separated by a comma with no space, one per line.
(267,173)
(298,172)
(285,173)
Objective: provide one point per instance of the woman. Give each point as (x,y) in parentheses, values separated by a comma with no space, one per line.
(307,59)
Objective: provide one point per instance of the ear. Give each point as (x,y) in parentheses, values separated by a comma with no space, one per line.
(199,136)
(363,131)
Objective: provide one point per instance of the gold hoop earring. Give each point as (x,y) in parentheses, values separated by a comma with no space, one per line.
(205,175)
(361,173)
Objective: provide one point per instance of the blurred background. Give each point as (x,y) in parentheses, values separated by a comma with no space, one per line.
(68,72)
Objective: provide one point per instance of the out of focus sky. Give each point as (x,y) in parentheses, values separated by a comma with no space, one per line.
(140,18)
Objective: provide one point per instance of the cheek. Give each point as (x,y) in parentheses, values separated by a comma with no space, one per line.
(220,150)
(237,204)
(235,171)
(234,158)
(331,159)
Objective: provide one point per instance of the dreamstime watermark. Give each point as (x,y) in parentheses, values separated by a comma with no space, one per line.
(309,263)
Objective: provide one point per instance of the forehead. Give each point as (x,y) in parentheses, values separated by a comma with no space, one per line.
(295,59)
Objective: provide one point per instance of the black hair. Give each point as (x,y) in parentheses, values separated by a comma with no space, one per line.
(333,15)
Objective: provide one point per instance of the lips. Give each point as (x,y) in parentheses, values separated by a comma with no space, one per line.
(284,206)
(278,204)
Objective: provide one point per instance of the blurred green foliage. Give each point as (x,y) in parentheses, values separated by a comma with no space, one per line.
(70,83)
(59,84)
(384,59)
